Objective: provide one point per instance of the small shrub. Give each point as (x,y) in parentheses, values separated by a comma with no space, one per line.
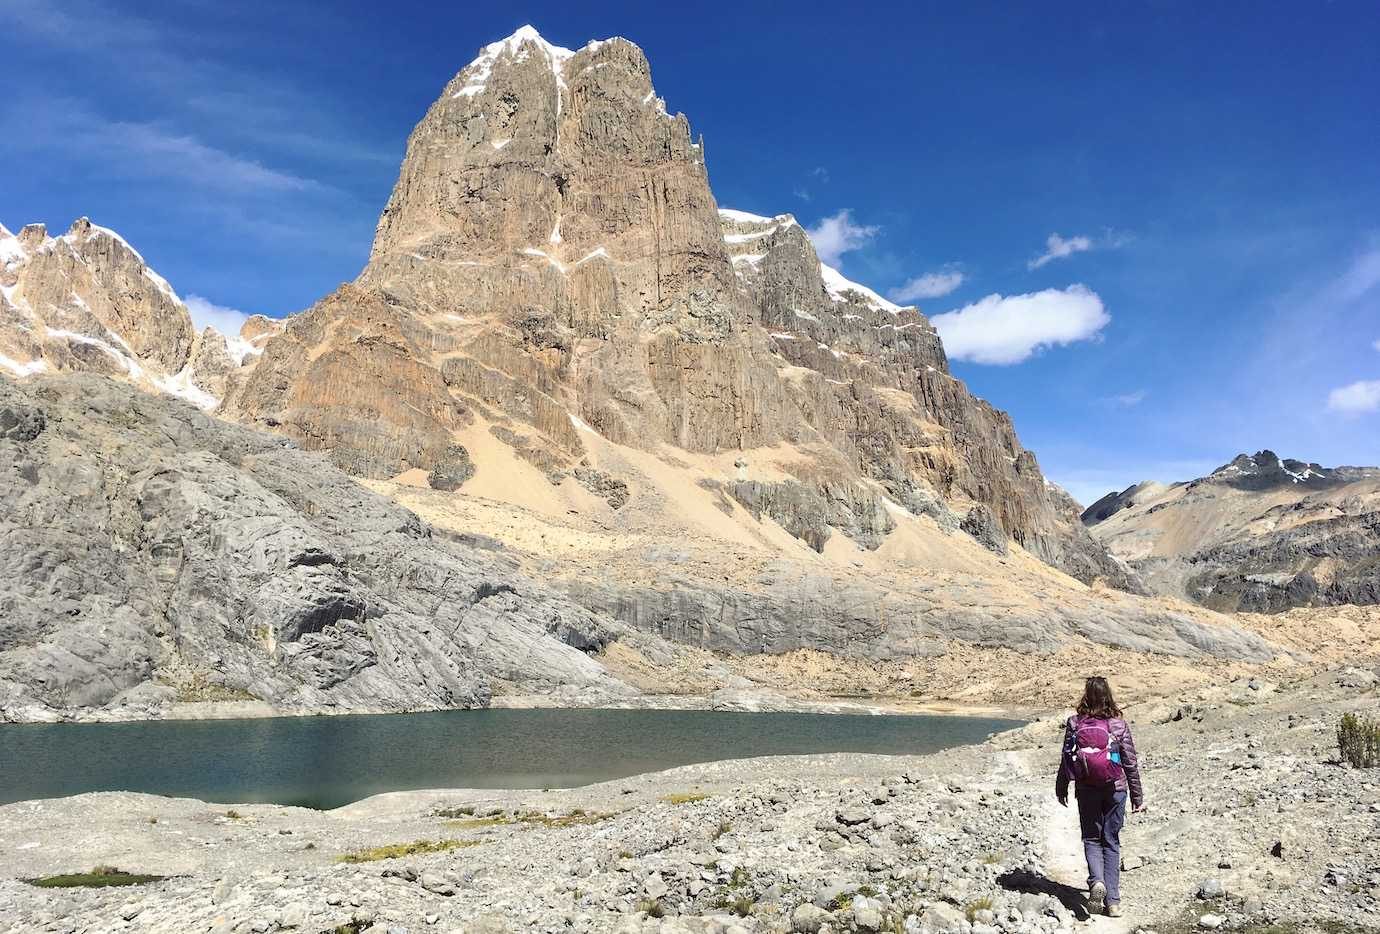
(723,828)
(466,811)
(1358,737)
(867,891)
(234,814)
(841,902)
(971,909)
(98,877)
(472,823)
(397,850)
(738,878)
(684,797)
(652,908)
(151,819)
(742,906)
(576,818)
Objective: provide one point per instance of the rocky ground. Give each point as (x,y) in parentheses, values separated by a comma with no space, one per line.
(1253,824)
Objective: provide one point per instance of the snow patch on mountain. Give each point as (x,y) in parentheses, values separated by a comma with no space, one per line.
(839,288)
(182,386)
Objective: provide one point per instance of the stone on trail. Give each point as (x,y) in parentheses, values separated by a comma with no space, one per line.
(941,918)
(808,918)
(436,883)
(1211,888)
(655,886)
(867,913)
(852,816)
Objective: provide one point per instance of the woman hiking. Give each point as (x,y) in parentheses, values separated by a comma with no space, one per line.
(1099,757)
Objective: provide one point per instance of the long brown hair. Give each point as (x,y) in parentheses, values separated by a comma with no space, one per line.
(1097,700)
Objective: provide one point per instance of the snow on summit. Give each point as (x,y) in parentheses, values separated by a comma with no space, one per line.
(481,68)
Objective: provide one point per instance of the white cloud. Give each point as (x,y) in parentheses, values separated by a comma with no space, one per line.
(184,156)
(1056,247)
(1002,329)
(206,313)
(1363,276)
(835,235)
(930,285)
(141,150)
(1357,398)
(1129,399)
(1376,345)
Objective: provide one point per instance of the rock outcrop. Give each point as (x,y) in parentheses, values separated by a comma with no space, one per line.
(1259,534)
(146,547)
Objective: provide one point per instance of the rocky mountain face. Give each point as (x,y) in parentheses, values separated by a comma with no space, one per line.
(1259,534)
(151,553)
(86,301)
(552,257)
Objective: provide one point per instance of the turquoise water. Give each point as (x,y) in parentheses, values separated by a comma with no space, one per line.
(324,762)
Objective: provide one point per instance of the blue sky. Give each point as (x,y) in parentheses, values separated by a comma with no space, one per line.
(1208,174)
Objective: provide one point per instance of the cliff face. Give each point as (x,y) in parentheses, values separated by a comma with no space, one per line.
(1259,534)
(552,257)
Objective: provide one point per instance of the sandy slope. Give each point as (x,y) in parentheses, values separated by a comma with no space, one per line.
(675,523)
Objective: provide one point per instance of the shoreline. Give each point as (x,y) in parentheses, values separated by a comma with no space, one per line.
(764,701)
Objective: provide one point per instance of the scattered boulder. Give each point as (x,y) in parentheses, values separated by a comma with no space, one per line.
(983,526)
(605,486)
(941,918)
(452,470)
(808,918)
(1211,888)
(21,423)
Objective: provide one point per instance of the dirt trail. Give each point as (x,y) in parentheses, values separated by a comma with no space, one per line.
(1063,847)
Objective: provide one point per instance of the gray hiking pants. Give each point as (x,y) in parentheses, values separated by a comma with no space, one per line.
(1101,814)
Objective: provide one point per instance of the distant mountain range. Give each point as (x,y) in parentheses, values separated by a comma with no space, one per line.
(1260,534)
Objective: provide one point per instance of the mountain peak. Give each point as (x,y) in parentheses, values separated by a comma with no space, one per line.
(480,70)
(528,34)
(1265,469)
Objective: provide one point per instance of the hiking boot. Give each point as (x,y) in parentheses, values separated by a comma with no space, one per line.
(1097,898)
(1113,910)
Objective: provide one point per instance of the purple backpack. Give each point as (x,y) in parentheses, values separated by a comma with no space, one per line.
(1093,762)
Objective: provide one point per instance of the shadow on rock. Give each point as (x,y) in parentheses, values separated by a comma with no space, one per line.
(1023,880)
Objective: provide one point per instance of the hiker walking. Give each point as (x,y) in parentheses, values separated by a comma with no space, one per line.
(1099,757)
